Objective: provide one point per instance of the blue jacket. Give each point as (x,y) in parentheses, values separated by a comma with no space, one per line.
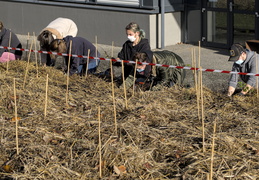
(80,46)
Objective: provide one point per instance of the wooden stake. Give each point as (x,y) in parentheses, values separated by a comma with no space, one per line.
(96,51)
(87,63)
(27,67)
(68,70)
(134,80)
(27,45)
(257,90)
(113,99)
(36,55)
(196,85)
(16,119)
(10,40)
(202,110)
(100,143)
(199,57)
(112,48)
(124,85)
(46,96)
(212,149)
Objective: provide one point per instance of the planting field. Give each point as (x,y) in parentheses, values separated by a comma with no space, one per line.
(71,133)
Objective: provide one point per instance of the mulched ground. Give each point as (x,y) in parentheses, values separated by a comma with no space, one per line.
(158,136)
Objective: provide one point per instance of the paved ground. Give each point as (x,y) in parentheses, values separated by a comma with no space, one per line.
(211,58)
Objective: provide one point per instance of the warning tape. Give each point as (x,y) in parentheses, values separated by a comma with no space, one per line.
(130,62)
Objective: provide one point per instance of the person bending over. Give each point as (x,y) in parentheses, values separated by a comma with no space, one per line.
(155,77)
(80,46)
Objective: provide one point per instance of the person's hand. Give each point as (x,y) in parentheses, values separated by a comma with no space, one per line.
(231,91)
(241,94)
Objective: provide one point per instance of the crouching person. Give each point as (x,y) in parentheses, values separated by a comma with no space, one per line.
(8,38)
(156,77)
(57,29)
(80,46)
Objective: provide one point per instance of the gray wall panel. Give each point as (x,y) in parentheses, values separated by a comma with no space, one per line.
(108,26)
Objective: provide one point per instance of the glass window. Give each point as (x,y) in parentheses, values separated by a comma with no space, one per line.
(217,3)
(217,27)
(244,5)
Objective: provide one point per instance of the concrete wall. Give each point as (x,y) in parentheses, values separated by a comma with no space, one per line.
(108,26)
(172,29)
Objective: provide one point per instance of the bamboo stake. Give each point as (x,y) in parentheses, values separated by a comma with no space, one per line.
(113,99)
(196,85)
(7,64)
(96,50)
(46,96)
(16,119)
(36,55)
(100,143)
(68,71)
(202,111)
(27,45)
(39,54)
(124,85)
(199,57)
(256,60)
(135,69)
(112,48)
(87,63)
(212,149)
(27,67)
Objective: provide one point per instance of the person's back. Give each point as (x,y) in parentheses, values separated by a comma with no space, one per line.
(8,38)
(168,75)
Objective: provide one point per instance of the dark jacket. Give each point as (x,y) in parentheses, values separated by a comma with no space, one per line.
(4,41)
(128,51)
(157,75)
(80,46)
(166,75)
(248,66)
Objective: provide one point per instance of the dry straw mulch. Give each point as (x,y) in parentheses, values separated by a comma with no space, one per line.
(159,136)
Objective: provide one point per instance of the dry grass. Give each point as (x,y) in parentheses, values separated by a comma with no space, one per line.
(159,135)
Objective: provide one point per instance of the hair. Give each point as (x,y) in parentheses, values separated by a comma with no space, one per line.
(141,57)
(135,28)
(58,45)
(45,39)
(1,25)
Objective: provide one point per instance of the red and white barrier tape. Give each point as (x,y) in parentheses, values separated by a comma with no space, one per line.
(131,62)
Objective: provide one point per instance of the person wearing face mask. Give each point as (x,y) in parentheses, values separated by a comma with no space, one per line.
(136,43)
(155,77)
(244,62)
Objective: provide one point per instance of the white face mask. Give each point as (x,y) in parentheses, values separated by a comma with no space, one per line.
(140,70)
(131,38)
(240,61)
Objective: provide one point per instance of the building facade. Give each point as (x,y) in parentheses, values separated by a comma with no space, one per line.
(216,23)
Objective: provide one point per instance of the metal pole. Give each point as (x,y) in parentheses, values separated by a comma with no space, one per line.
(162,5)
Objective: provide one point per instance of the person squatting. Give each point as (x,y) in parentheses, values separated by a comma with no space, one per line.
(245,61)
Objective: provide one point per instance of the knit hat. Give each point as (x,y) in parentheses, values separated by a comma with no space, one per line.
(235,51)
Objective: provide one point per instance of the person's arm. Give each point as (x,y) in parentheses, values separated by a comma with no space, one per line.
(251,79)
(4,39)
(233,80)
